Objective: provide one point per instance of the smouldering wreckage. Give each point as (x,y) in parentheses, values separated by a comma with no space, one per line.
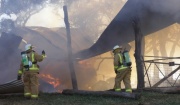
(154,15)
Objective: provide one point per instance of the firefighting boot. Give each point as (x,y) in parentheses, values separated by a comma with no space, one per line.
(27,95)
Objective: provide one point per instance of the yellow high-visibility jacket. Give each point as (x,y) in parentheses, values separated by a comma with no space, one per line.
(34,58)
(118,62)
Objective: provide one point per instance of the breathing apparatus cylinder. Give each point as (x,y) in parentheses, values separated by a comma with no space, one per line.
(127,58)
(25,60)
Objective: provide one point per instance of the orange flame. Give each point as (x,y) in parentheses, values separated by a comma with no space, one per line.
(85,63)
(55,82)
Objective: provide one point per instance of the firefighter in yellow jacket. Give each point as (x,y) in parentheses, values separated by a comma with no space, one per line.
(30,70)
(123,72)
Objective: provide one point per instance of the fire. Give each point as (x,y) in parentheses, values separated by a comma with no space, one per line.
(85,63)
(55,82)
(82,62)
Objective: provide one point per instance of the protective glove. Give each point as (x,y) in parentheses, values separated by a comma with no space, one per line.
(19,77)
(43,52)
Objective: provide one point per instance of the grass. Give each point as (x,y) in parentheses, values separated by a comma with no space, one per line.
(147,98)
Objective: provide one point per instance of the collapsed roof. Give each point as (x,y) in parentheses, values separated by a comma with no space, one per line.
(154,15)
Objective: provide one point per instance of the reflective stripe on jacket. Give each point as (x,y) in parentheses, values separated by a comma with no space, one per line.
(34,58)
(118,62)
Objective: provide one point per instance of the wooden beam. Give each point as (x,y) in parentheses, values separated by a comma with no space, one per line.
(70,58)
(160,62)
(170,90)
(102,93)
(163,57)
(138,52)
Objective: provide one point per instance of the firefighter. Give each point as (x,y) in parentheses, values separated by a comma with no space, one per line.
(123,72)
(30,70)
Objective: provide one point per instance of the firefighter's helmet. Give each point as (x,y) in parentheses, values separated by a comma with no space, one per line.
(117,47)
(28,46)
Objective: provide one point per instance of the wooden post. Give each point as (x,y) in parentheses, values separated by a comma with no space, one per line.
(70,58)
(138,53)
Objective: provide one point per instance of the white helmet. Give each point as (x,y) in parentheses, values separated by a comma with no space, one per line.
(117,47)
(28,46)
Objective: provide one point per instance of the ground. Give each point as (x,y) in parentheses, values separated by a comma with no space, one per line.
(148,98)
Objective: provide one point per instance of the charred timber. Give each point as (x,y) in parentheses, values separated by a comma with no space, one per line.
(102,93)
(138,52)
(69,47)
(168,90)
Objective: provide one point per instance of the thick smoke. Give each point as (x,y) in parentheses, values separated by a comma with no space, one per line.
(167,7)
(154,15)
(88,19)
(7,22)
(9,56)
(53,41)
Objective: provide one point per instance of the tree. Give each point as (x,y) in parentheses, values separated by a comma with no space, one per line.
(92,17)
(23,9)
(157,43)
